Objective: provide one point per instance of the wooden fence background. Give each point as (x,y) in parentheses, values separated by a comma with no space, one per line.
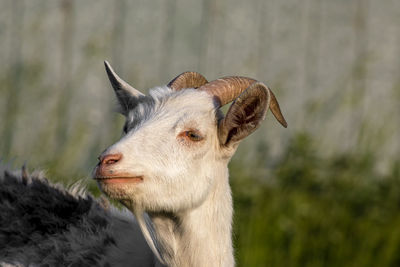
(333,64)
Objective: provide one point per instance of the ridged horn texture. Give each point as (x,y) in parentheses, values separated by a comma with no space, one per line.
(119,84)
(189,79)
(229,88)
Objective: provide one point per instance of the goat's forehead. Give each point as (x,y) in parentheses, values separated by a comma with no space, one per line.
(194,100)
(162,102)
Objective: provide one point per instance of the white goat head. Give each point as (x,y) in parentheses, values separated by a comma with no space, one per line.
(177,142)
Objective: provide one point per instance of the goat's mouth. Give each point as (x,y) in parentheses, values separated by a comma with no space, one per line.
(119,179)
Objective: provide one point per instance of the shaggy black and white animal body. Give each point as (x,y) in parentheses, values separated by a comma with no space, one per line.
(46,225)
(169,169)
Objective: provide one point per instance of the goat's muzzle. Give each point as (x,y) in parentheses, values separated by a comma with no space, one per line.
(106,173)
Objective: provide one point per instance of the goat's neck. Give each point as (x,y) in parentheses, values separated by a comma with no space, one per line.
(201,236)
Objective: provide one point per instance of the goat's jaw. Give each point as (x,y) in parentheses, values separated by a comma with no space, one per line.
(120,190)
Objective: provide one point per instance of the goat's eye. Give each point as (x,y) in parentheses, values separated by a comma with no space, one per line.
(193,136)
(125,129)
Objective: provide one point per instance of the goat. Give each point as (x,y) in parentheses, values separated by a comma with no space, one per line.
(169,169)
(172,161)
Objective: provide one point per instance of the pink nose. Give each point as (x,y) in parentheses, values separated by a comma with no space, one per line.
(109,159)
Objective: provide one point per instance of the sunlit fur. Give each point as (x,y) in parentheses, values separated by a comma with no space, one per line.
(185,188)
(177,173)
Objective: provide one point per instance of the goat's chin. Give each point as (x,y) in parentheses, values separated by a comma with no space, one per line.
(117,190)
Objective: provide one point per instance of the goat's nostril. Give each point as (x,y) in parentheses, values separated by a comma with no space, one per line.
(110,159)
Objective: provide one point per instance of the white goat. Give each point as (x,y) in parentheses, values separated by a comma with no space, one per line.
(172,161)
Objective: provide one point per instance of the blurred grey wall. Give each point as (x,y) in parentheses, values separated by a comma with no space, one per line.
(334,66)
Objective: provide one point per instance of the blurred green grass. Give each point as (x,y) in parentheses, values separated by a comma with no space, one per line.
(316,211)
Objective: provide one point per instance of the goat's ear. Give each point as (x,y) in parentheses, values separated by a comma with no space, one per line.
(127,96)
(244,115)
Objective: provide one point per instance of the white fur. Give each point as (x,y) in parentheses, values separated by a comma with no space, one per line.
(185,189)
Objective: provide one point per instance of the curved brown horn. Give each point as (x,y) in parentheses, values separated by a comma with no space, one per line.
(188,79)
(229,88)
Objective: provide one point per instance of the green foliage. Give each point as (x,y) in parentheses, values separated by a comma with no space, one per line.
(316,211)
